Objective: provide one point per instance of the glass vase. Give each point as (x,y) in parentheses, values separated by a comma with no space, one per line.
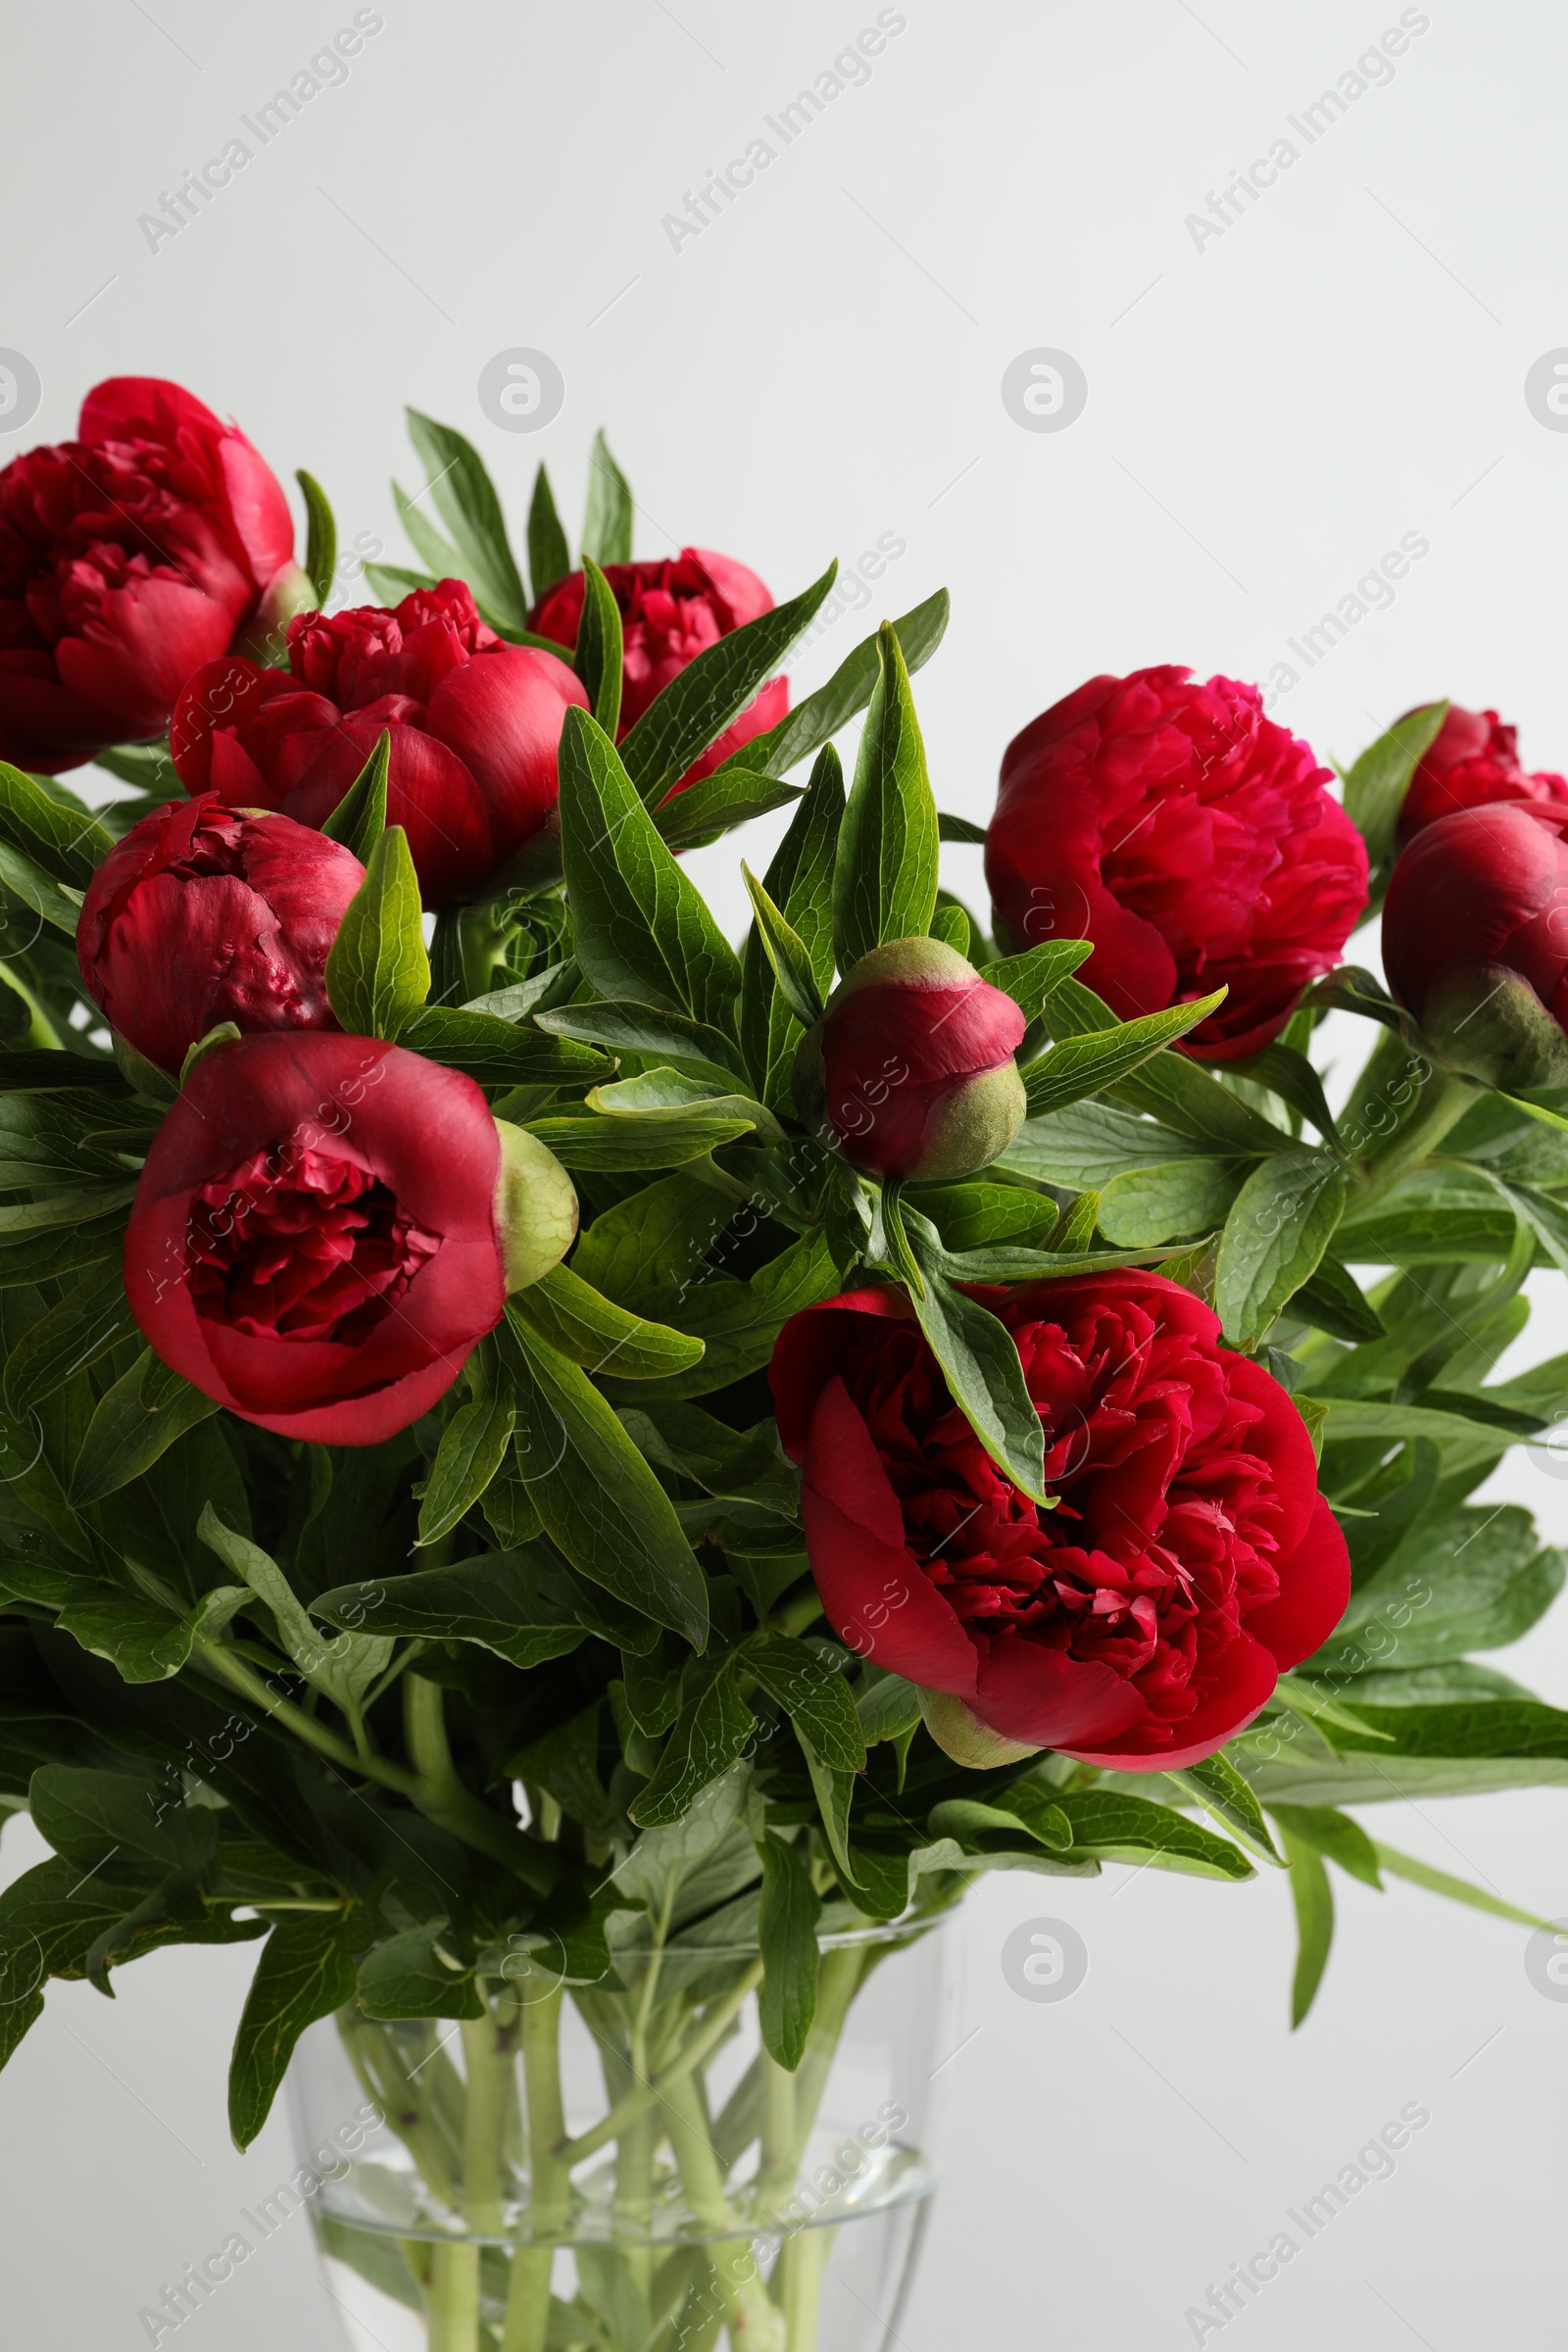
(622,2167)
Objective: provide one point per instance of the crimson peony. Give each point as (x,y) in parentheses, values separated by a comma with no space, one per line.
(326,1225)
(1141,1623)
(1189,838)
(670,612)
(127,556)
(475,725)
(1472,760)
(205,914)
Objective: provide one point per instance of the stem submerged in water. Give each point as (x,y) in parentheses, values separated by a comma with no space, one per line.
(470,2136)
(528,2320)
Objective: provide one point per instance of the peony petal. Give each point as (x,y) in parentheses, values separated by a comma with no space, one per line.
(1239,1680)
(145,407)
(1313,1595)
(150,637)
(261,520)
(842,1465)
(881,1607)
(430,793)
(502,713)
(809,1350)
(1046,1698)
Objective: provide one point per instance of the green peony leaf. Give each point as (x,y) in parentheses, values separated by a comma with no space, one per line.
(787,1922)
(595,1494)
(697,706)
(598,657)
(548,556)
(377,973)
(608,522)
(306,1971)
(812,722)
(360,819)
(885,879)
(320,545)
(465,497)
(1282,1221)
(641,927)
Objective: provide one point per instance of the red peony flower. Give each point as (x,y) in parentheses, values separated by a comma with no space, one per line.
(126,557)
(1473,759)
(670,612)
(201,914)
(475,722)
(911,1069)
(1475,941)
(315,1237)
(1189,838)
(1143,1621)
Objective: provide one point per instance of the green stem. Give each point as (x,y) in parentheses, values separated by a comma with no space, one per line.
(452,2298)
(794,1616)
(776,2176)
(41,1030)
(450,1803)
(528,2320)
(402,2098)
(756,2324)
(658,2086)
(1443,1101)
(480,939)
(442,1793)
(483,2121)
(802,2261)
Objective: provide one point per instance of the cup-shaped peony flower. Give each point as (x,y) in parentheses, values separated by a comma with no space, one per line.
(1475,941)
(205,914)
(1139,1623)
(146,546)
(1472,760)
(474,724)
(670,612)
(1189,838)
(910,1068)
(324,1229)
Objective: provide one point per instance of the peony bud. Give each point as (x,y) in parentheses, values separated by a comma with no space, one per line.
(1475,941)
(205,914)
(910,1068)
(536,1207)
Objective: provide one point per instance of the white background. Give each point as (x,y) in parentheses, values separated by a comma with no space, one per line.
(822,364)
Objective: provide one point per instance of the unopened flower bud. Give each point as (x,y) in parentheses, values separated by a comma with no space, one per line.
(1475,941)
(911,1069)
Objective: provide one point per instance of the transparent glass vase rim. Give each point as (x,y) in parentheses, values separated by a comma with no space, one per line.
(840,1939)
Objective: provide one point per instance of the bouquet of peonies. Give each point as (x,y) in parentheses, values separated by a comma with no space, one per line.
(578,1483)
